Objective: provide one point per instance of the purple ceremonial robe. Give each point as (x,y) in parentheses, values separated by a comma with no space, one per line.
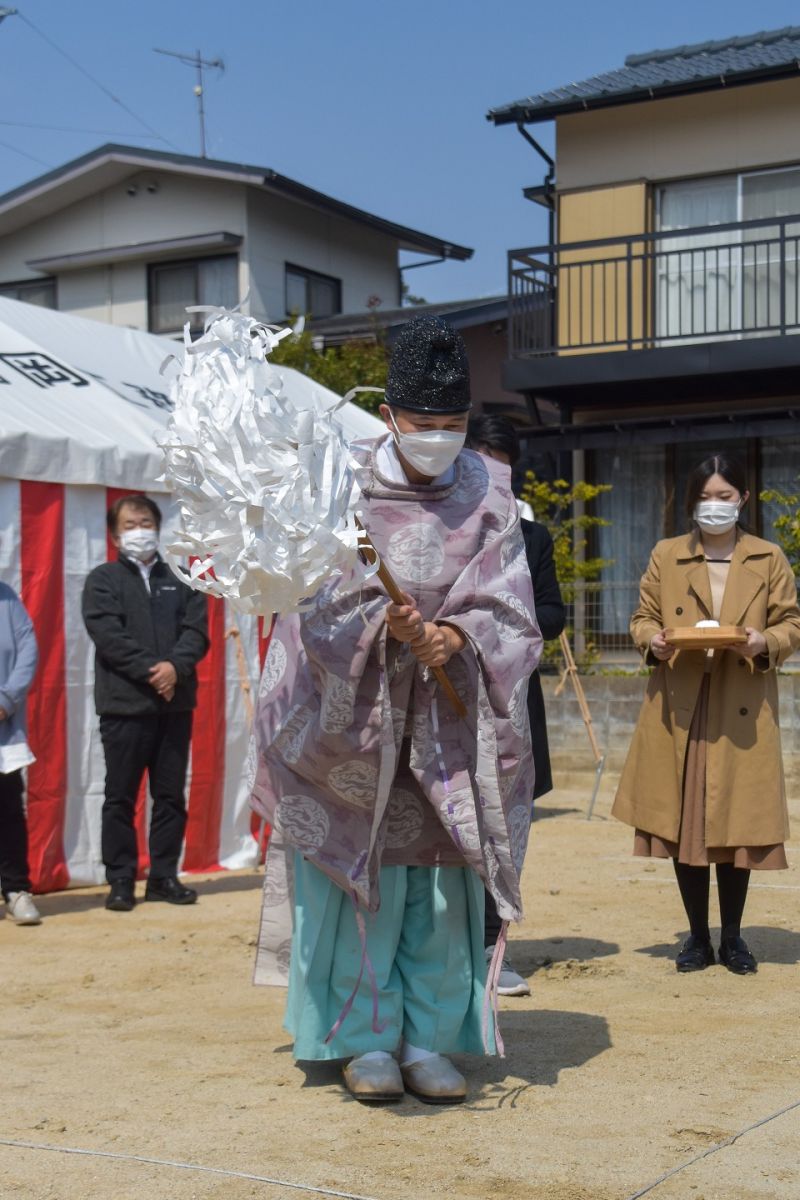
(361,760)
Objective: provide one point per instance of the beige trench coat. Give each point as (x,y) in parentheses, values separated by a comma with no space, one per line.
(745,793)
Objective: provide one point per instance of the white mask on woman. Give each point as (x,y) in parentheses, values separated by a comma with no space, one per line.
(431,452)
(139,543)
(716,516)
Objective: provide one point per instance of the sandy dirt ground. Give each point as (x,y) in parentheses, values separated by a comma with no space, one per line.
(141,1035)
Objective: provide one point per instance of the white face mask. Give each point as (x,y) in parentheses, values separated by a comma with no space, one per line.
(139,543)
(716,516)
(432,452)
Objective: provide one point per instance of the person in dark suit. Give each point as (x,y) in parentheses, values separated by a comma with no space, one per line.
(496,437)
(149,631)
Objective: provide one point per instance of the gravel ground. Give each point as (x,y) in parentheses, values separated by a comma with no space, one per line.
(140,1035)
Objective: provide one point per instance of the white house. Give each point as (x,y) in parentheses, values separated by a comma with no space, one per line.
(132,236)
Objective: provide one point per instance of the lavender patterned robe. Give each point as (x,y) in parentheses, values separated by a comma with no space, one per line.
(361,760)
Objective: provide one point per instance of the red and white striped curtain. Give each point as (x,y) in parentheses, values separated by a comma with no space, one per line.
(51,535)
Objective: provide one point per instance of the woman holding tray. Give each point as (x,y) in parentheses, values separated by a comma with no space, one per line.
(703,781)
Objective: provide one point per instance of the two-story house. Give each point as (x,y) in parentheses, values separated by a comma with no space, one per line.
(661,316)
(133,237)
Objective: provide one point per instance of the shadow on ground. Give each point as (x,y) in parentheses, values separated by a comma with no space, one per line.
(533,954)
(539,1045)
(56,904)
(541,812)
(768,943)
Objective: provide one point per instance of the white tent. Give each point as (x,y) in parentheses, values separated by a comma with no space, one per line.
(80,404)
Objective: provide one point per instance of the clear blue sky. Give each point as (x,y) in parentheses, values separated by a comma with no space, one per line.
(379,104)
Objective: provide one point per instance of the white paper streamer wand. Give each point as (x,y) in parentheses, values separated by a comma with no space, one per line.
(265,486)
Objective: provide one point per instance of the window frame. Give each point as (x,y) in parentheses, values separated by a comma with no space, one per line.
(160,264)
(5,286)
(308,275)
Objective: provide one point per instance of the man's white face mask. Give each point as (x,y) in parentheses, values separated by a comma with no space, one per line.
(431,452)
(139,543)
(716,516)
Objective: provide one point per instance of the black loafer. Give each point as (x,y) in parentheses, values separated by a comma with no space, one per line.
(121,896)
(695,954)
(735,955)
(170,889)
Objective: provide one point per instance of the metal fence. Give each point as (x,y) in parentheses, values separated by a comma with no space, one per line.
(598,616)
(706,283)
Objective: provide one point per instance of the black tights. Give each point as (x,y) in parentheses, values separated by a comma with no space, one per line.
(732,885)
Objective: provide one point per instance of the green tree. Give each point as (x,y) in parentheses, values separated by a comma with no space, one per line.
(787,525)
(554,506)
(353,364)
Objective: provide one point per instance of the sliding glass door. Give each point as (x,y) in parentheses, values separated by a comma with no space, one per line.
(716,284)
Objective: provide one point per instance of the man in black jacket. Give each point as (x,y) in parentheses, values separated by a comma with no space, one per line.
(149,631)
(496,437)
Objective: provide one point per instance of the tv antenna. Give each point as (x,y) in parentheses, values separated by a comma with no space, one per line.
(197,61)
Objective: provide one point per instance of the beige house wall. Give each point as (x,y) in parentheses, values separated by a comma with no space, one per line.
(281,231)
(741,128)
(593,298)
(116,294)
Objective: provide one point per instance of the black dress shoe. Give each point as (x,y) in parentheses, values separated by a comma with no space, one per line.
(170,889)
(735,955)
(695,954)
(121,897)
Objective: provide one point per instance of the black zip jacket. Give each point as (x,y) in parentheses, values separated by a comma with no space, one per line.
(132,631)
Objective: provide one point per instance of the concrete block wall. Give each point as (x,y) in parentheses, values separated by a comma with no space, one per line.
(614,702)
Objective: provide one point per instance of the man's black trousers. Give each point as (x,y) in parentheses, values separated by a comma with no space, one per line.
(13,836)
(159,745)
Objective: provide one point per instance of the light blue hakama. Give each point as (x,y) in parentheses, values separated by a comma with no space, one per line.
(425,944)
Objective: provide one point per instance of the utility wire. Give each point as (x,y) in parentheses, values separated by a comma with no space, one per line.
(24,153)
(73,129)
(92,79)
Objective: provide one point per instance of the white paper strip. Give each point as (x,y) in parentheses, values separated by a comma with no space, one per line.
(266,490)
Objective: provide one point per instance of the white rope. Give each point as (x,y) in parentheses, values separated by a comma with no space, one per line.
(713,1150)
(182,1166)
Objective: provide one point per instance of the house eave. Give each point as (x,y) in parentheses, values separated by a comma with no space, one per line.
(521,113)
(204,243)
(746,367)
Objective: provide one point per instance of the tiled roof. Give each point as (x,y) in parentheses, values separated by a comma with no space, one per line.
(702,67)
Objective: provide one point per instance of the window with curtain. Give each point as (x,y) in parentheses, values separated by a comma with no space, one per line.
(736,283)
(696,275)
(32,291)
(310,294)
(780,471)
(763,195)
(634,509)
(175,286)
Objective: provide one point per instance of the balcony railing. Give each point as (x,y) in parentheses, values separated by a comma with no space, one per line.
(702,284)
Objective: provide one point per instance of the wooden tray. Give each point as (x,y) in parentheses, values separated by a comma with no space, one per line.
(707,638)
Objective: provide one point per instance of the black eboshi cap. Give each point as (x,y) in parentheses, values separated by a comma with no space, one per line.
(428,371)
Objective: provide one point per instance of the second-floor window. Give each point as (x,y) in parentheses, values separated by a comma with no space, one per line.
(174,286)
(308,292)
(32,291)
(730,282)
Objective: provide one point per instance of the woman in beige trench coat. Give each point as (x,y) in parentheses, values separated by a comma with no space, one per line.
(703,781)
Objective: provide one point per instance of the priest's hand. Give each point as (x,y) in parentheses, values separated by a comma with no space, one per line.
(404,621)
(438,644)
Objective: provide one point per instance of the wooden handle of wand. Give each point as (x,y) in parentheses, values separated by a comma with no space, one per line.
(396,595)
